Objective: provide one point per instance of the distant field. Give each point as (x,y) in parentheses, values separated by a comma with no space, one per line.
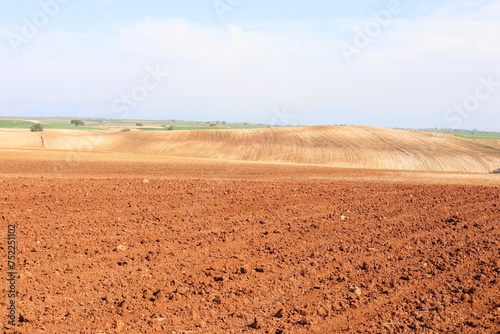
(15,124)
(341,147)
(474,135)
(46,123)
(118,124)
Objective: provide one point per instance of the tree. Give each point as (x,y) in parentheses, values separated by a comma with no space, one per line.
(36,128)
(212,124)
(170,128)
(77,122)
(138,124)
(223,122)
(163,126)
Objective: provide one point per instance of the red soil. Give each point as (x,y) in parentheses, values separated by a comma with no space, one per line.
(121,255)
(124,242)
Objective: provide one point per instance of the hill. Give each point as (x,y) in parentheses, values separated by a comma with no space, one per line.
(353,147)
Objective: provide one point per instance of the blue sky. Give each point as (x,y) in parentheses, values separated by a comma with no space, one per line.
(390,63)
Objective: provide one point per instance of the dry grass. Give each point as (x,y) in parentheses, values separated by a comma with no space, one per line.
(358,147)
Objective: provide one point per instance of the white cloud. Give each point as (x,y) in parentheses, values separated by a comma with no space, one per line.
(182,41)
(418,66)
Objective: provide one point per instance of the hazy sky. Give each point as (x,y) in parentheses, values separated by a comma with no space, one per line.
(391,63)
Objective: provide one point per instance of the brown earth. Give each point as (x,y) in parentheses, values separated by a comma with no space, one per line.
(113,242)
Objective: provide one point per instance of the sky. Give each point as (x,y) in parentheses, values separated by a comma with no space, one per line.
(396,63)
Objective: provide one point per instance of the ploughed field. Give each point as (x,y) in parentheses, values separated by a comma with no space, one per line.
(293,230)
(165,255)
(340,147)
